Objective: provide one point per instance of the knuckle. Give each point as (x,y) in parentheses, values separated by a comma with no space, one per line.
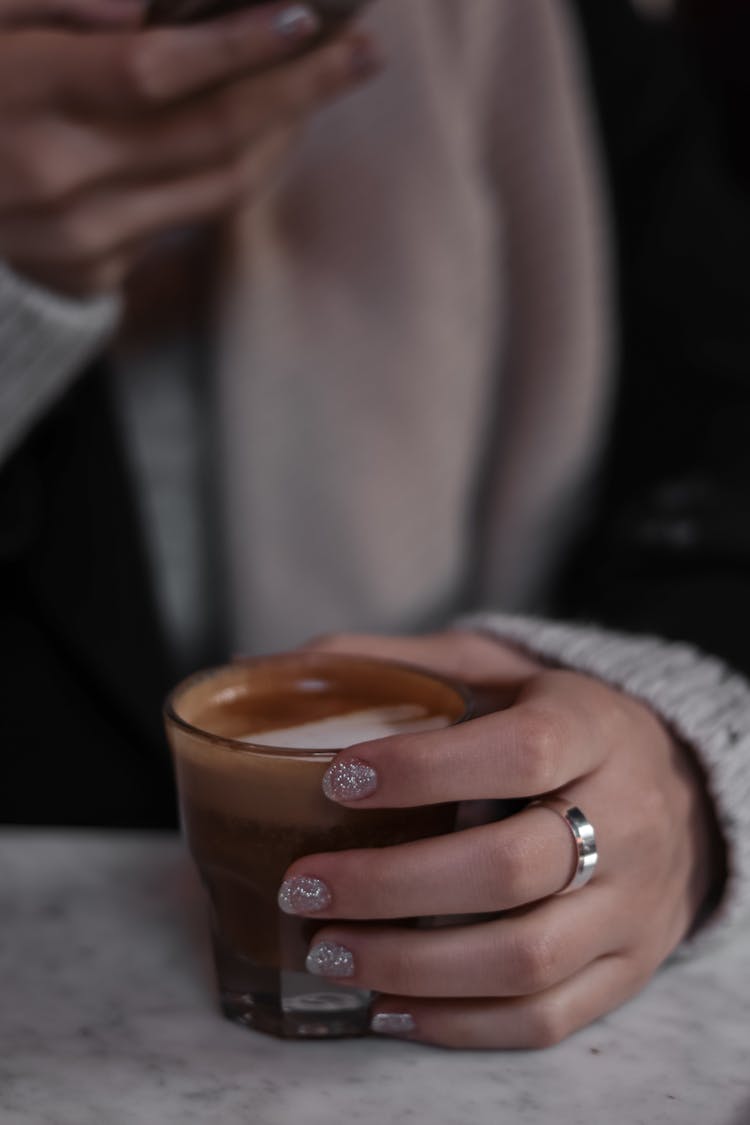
(540,744)
(145,73)
(536,962)
(548,1023)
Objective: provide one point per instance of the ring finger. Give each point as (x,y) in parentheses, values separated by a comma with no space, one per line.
(519,860)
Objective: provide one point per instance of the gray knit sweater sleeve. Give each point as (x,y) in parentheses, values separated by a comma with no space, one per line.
(45,340)
(704,703)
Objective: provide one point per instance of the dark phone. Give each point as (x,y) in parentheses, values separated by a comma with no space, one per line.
(189,11)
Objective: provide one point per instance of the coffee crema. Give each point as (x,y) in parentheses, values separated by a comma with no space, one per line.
(350,729)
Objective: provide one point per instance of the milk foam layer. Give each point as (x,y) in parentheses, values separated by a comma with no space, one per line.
(347,730)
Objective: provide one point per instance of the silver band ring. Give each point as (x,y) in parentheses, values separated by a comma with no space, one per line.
(583,835)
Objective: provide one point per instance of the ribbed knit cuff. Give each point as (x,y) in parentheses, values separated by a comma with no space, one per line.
(45,341)
(699,698)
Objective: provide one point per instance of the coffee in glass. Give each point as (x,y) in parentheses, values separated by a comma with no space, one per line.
(251,742)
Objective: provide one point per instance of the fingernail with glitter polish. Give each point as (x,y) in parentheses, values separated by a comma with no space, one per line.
(349,780)
(303,894)
(392,1023)
(327,959)
(297,22)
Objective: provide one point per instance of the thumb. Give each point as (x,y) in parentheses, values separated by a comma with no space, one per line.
(72,13)
(475,658)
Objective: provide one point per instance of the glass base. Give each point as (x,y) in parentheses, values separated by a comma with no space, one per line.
(304,1008)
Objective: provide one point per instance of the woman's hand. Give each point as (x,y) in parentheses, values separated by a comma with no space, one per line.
(548,965)
(108,137)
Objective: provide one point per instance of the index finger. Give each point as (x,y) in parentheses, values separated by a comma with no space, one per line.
(84,13)
(136,71)
(559,730)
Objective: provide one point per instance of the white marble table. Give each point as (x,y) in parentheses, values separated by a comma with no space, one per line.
(107,1018)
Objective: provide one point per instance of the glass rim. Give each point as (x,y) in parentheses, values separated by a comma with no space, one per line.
(171,714)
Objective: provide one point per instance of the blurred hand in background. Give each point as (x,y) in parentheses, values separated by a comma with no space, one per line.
(112,133)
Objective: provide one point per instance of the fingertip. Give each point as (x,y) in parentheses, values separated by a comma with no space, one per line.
(233,44)
(349,779)
(296,22)
(303,895)
(330,959)
(396,1025)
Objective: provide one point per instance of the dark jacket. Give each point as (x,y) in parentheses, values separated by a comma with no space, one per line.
(84,668)
(668,549)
